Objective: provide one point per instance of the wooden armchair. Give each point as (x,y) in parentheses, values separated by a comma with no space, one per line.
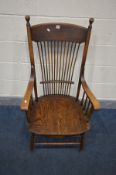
(56,113)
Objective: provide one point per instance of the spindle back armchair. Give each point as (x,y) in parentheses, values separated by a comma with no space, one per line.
(56,113)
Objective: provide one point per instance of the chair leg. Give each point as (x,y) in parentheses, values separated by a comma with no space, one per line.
(82,142)
(32,139)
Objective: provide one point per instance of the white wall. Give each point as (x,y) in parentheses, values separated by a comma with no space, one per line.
(14,60)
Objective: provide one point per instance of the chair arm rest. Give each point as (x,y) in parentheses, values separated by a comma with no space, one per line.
(26,99)
(92,98)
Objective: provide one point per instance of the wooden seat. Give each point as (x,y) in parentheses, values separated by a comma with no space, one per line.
(56,112)
(57,115)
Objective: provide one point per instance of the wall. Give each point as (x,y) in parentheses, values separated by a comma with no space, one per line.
(14,60)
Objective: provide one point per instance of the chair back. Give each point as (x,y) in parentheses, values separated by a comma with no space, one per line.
(58,46)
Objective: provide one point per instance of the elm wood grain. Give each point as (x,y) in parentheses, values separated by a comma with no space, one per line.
(57,65)
(31,54)
(32,139)
(59,32)
(82,69)
(56,113)
(56,81)
(82,142)
(57,143)
(26,100)
(92,98)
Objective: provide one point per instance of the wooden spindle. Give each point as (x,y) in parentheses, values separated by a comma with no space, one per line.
(68,67)
(87,107)
(85,103)
(40,58)
(82,100)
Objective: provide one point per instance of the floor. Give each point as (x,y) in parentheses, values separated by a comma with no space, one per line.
(98,157)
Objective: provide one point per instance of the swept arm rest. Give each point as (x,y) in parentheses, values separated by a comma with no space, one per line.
(26,99)
(92,98)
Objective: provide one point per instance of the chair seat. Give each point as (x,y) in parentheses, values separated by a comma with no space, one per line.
(57,115)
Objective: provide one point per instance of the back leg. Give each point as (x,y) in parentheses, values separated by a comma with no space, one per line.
(32,140)
(82,142)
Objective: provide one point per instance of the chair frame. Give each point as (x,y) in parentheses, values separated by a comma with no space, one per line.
(87,100)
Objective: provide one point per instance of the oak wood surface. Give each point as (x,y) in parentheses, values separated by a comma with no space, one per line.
(58,31)
(90,95)
(26,99)
(56,113)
